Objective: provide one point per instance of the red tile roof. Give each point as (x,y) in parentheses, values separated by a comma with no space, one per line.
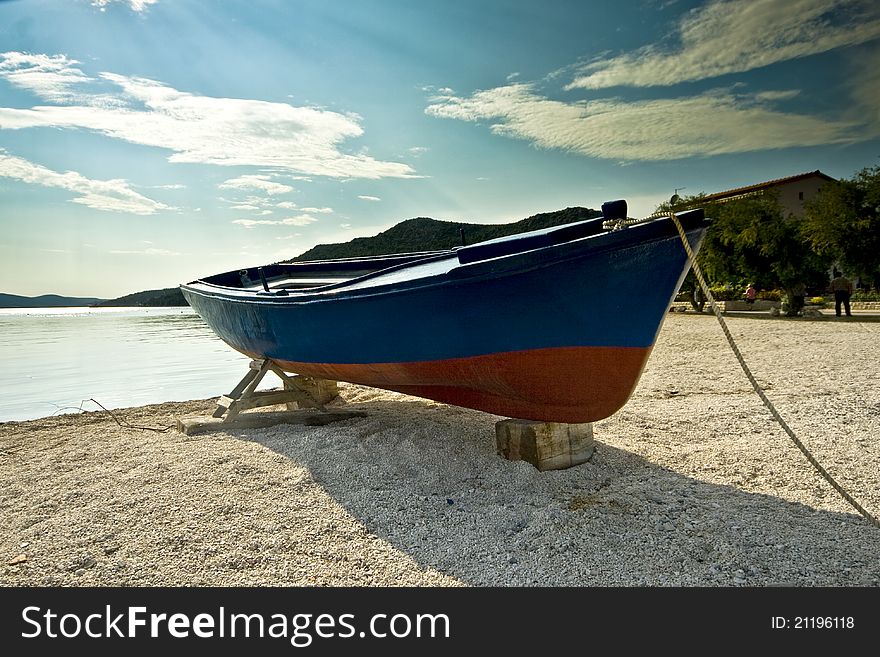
(740,191)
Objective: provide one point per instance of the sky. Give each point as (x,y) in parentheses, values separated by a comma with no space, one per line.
(147,143)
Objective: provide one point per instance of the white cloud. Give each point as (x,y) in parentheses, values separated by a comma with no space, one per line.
(148,252)
(369,198)
(257,181)
(259,201)
(418,150)
(714,123)
(866,90)
(787,94)
(442,90)
(300,220)
(51,77)
(196,129)
(108,195)
(289,205)
(135,5)
(735,36)
(264,205)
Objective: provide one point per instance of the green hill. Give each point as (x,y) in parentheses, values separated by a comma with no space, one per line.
(171,296)
(424,234)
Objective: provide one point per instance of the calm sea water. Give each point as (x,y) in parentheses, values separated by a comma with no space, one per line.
(54,358)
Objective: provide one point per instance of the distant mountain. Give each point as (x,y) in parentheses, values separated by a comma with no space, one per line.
(424,234)
(170,296)
(45,301)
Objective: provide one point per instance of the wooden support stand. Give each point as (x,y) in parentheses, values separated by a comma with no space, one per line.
(203,423)
(300,392)
(546,445)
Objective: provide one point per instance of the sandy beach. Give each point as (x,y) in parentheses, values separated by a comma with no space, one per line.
(692,484)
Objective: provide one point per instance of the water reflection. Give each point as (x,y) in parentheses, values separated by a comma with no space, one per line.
(53,359)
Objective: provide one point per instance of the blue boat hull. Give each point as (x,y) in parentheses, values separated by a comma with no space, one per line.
(558,333)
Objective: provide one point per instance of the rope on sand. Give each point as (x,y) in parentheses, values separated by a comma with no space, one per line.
(776,416)
(124,424)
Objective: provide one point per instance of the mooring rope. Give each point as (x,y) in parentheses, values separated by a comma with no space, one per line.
(776,416)
(617,224)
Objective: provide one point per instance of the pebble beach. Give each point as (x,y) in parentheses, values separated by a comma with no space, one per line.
(691,484)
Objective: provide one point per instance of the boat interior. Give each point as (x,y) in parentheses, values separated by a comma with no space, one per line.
(296,276)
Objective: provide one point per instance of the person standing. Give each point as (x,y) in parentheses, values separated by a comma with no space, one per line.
(751,294)
(842,289)
(798,297)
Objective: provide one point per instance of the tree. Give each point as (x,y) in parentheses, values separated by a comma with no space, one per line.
(752,240)
(842,222)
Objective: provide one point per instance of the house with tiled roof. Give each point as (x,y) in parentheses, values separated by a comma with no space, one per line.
(792,191)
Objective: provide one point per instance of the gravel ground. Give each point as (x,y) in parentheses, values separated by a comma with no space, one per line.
(691,484)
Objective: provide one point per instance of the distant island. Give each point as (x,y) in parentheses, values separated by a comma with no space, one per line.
(418,234)
(45,301)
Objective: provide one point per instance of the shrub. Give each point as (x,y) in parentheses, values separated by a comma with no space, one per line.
(817,300)
(862,295)
(723,294)
(770,295)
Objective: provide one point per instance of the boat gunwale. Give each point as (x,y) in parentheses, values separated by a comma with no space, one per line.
(472,272)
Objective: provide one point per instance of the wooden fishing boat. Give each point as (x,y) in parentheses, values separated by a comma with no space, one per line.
(551,325)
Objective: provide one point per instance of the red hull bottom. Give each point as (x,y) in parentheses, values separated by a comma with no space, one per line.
(567,384)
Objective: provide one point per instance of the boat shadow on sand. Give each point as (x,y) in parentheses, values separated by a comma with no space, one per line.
(425,477)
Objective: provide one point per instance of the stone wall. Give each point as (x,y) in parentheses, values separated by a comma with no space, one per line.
(761,304)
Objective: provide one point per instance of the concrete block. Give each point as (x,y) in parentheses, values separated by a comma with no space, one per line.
(546,445)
